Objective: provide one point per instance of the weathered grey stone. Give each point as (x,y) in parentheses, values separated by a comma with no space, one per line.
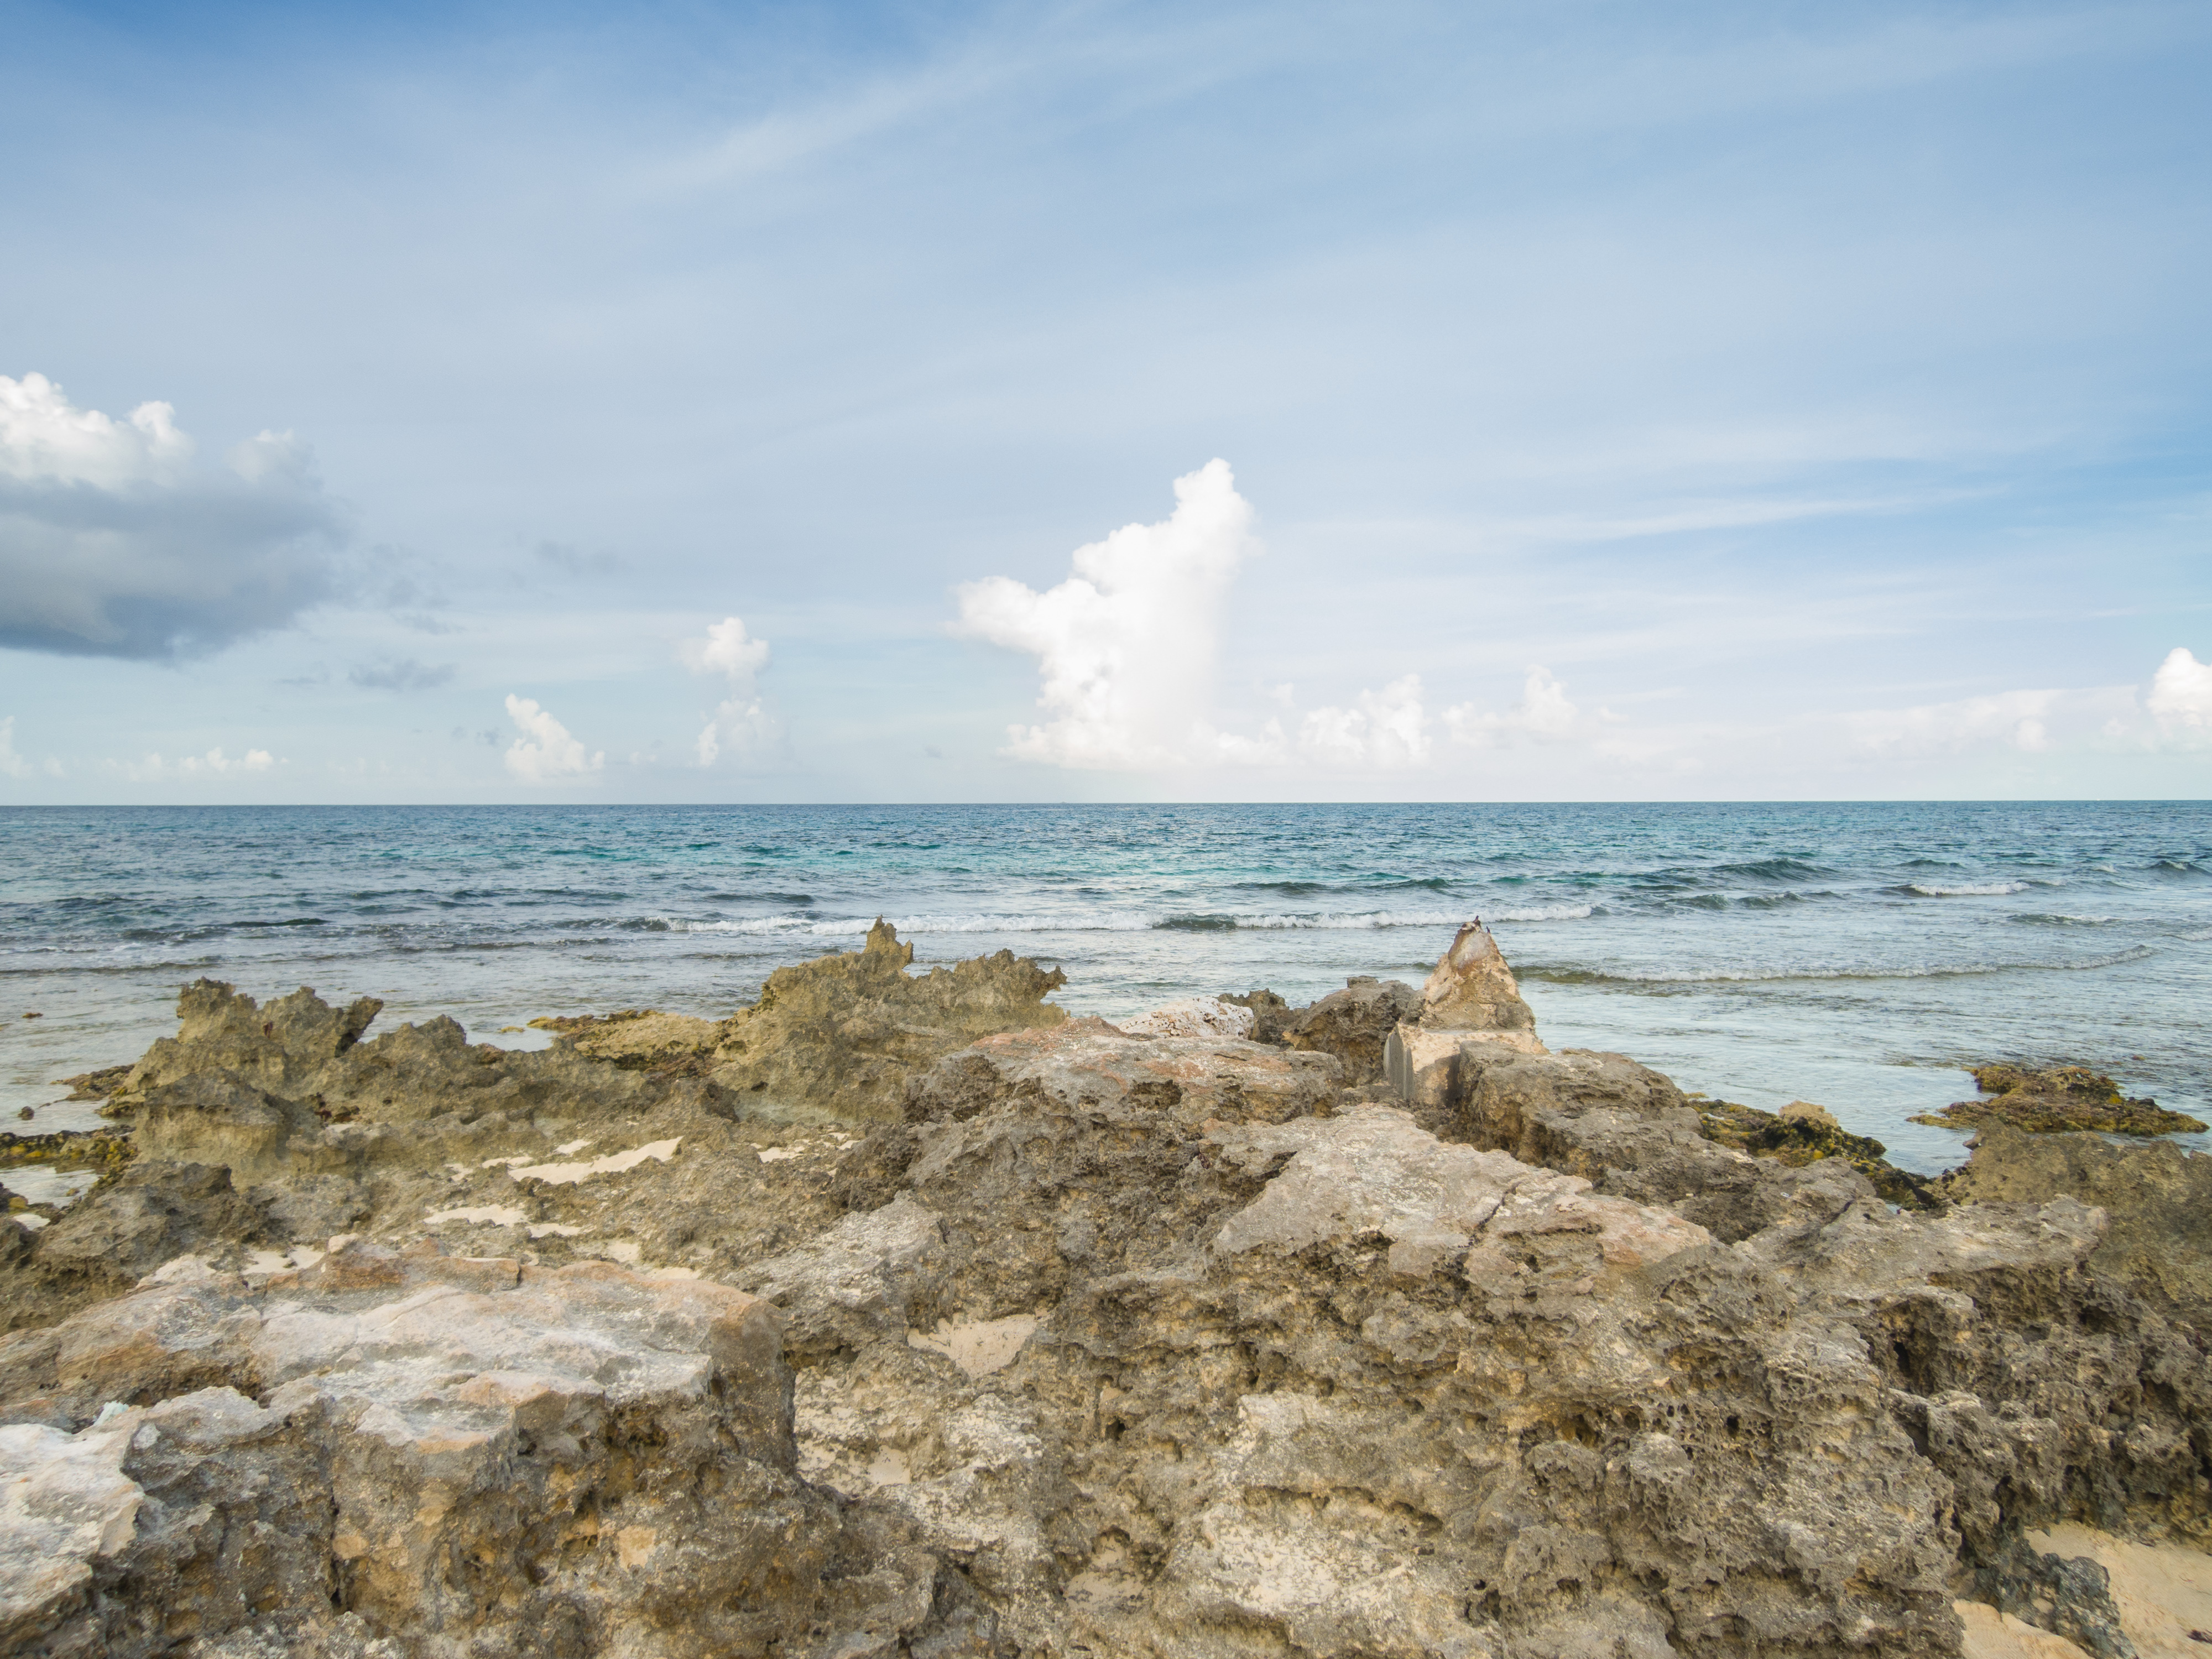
(1354,1024)
(2159,1197)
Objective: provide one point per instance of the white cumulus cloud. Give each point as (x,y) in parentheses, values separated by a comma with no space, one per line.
(744,725)
(2180,698)
(2017,719)
(1544,715)
(111,544)
(1126,645)
(1387,729)
(545,753)
(43,436)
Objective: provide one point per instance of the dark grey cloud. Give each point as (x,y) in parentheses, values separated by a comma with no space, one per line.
(164,567)
(401,674)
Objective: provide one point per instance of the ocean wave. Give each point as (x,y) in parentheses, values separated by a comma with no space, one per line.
(1776,901)
(1724,976)
(2055,919)
(1094,921)
(1775,869)
(2175,867)
(1962,890)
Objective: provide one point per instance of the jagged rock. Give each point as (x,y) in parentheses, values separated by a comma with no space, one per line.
(1630,1130)
(1173,1345)
(845,1032)
(1802,1133)
(2159,1197)
(105,1241)
(1472,990)
(1271,1014)
(1469,998)
(2057,1100)
(1354,1024)
(456,1456)
(1331,1382)
(640,1039)
(218,1031)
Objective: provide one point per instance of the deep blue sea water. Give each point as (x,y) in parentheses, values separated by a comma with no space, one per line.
(1856,955)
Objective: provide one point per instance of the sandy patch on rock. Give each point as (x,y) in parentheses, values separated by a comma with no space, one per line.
(978,1346)
(563,1175)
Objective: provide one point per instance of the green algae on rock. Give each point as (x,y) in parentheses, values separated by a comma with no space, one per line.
(102,1149)
(2058,1100)
(1799,1137)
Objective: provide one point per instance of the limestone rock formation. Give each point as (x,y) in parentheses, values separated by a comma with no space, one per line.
(1802,1132)
(1354,1024)
(1469,999)
(419,1453)
(2159,1197)
(2057,1100)
(845,1032)
(1193,1016)
(1084,1341)
(1472,990)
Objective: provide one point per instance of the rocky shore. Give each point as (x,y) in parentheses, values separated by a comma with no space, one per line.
(903,1314)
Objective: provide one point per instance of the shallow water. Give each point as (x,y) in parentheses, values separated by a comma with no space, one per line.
(1857,955)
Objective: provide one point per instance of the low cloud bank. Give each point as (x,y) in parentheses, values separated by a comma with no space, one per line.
(213,765)
(1126,649)
(112,545)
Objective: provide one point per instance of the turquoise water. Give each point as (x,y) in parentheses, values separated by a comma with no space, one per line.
(1859,956)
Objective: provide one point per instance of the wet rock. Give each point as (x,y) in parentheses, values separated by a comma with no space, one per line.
(1354,1024)
(2158,1196)
(1801,1134)
(94,1084)
(2057,1100)
(77,1149)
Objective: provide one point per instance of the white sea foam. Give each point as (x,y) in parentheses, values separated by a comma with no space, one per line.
(1095,921)
(1968,890)
(1910,970)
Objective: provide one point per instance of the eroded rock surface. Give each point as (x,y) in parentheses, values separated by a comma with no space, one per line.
(457,1455)
(2158,1198)
(1354,1024)
(1081,1339)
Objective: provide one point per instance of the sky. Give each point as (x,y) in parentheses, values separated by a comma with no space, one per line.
(1095,402)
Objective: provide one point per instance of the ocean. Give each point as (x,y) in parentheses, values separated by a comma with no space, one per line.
(1861,956)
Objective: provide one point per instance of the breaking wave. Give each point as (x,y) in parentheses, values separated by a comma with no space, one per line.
(1095,921)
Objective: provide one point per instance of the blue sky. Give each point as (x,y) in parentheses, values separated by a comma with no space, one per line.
(703,404)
